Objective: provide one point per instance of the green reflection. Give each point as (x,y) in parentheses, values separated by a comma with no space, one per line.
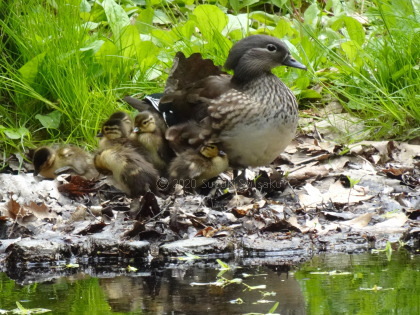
(328,284)
(64,296)
(361,284)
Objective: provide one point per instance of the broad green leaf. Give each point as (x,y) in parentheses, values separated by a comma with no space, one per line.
(351,49)
(130,41)
(309,94)
(94,46)
(147,50)
(210,20)
(237,22)
(239,4)
(96,14)
(30,70)
(279,3)
(144,20)
(16,133)
(334,5)
(302,83)
(161,17)
(117,18)
(165,37)
(50,121)
(355,29)
(84,6)
(264,18)
(283,28)
(107,50)
(235,36)
(90,25)
(311,14)
(184,31)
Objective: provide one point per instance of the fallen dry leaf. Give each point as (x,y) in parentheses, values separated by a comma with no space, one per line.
(207,232)
(336,193)
(40,211)
(77,187)
(359,222)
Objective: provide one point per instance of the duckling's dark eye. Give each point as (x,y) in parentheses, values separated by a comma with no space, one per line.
(271,47)
(144,122)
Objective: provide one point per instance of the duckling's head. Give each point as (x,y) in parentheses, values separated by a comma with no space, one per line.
(127,123)
(211,150)
(144,122)
(258,54)
(43,158)
(114,129)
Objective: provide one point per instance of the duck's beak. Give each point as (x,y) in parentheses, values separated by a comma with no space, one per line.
(136,130)
(99,134)
(222,153)
(290,62)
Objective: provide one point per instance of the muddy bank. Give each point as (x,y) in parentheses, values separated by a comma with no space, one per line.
(328,201)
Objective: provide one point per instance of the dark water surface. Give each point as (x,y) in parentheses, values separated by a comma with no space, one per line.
(328,284)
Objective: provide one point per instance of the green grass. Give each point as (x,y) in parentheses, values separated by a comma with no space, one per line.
(65,63)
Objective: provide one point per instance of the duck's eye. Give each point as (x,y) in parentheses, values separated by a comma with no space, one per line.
(145,123)
(271,47)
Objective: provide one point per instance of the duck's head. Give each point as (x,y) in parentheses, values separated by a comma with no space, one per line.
(43,158)
(113,129)
(126,121)
(211,150)
(258,54)
(144,122)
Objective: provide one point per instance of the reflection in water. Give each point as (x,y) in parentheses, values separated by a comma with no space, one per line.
(171,291)
(329,284)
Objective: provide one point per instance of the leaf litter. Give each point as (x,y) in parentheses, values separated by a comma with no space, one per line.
(318,195)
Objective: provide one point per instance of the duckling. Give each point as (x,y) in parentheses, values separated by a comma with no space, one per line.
(51,161)
(130,171)
(124,160)
(114,133)
(196,167)
(113,128)
(150,136)
(183,136)
(126,120)
(252,114)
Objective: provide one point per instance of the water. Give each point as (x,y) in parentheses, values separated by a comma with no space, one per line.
(328,284)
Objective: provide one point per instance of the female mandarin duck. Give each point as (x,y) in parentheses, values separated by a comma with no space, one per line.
(252,115)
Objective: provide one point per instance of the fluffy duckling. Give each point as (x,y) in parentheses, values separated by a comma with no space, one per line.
(130,171)
(150,136)
(114,133)
(113,130)
(127,122)
(184,136)
(51,161)
(123,159)
(198,166)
